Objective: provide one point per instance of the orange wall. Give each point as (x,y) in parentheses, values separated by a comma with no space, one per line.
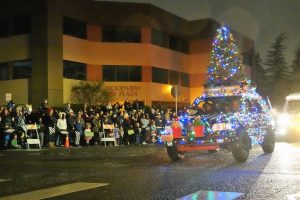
(197,79)
(100,53)
(146,35)
(15,48)
(94,72)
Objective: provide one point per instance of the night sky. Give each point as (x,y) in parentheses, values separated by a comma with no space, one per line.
(261,20)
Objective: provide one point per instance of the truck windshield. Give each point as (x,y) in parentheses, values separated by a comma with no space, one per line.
(229,104)
(293,106)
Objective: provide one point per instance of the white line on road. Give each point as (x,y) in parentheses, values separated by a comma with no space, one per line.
(4,180)
(212,195)
(54,191)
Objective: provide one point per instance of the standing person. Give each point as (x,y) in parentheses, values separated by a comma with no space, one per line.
(6,121)
(79,127)
(145,127)
(137,133)
(127,126)
(43,108)
(127,106)
(50,122)
(70,126)
(96,125)
(62,129)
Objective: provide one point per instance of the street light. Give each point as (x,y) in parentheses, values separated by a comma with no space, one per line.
(175,92)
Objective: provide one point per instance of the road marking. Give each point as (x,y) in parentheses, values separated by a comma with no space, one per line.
(54,191)
(212,195)
(4,180)
(293,196)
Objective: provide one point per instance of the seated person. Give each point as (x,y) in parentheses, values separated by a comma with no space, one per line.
(235,106)
(208,108)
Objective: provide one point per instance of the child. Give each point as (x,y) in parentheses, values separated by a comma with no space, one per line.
(88,134)
(137,132)
(117,134)
(14,142)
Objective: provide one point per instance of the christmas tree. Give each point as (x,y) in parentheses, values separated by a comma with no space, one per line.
(225,60)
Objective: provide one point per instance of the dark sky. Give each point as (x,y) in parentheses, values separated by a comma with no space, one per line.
(261,20)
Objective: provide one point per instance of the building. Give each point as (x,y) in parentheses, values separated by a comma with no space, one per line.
(139,50)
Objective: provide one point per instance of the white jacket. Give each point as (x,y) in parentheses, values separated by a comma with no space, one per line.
(62,124)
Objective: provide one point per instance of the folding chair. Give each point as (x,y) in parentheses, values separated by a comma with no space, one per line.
(108,139)
(34,129)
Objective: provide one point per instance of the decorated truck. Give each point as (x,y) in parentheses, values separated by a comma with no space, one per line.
(231,117)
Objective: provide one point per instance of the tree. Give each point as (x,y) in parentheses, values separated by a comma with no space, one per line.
(260,74)
(277,69)
(89,92)
(277,72)
(225,60)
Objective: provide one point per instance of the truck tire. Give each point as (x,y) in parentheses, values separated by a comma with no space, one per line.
(241,148)
(268,144)
(212,151)
(174,154)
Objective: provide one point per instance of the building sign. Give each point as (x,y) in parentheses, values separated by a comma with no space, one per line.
(124,91)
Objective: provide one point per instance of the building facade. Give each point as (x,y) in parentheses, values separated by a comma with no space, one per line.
(138,50)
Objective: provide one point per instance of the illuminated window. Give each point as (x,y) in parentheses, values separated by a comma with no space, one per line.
(74,70)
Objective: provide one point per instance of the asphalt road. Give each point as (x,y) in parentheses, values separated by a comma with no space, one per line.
(145,172)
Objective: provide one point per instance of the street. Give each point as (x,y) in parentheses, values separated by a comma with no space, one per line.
(146,172)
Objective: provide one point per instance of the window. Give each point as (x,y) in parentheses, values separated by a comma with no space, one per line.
(159,75)
(122,73)
(159,38)
(74,70)
(4,28)
(121,34)
(21,69)
(185,79)
(178,44)
(173,77)
(109,73)
(21,25)
(74,28)
(4,71)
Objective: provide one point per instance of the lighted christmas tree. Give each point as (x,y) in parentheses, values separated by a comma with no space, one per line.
(225,60)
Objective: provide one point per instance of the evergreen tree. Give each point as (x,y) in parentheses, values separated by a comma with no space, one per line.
(278,74)
(225,60)
(260,75)
(277,69)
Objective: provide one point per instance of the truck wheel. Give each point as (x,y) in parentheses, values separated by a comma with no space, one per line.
(241,148)
(268,144)
(174,154)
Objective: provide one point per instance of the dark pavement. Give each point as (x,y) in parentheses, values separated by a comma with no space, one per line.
(145,172)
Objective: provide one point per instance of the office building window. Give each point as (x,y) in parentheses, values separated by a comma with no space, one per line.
(74,70)
(21,25)
(4,71)
(173,77)
(21,69)
(4,28)
(74,28)
(185,79)
(109,73)
(159,38)
(178,44)
(122,73)
(159,75)
(121,34)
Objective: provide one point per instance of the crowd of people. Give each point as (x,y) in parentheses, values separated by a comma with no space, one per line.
(130,123)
